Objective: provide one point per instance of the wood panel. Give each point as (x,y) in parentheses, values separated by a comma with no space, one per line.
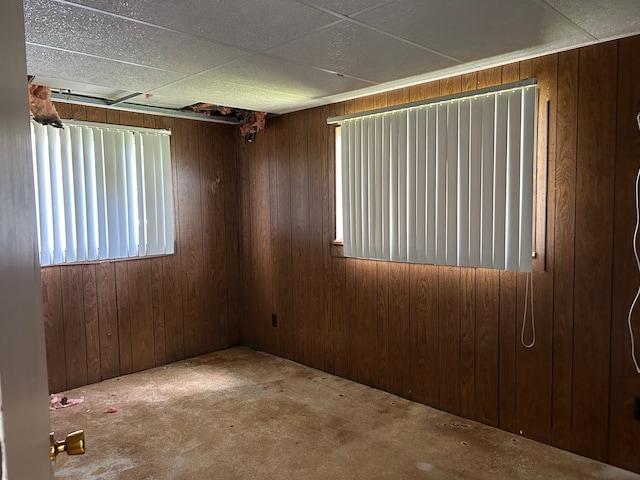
(625,381)
(231,260)
(212,201)
(563,259)
(300,229)
(75,343)
(285,267)
(108,318)
(54,328)
(534,375)
(593,249)
(425,374)
(316,152)
(488,317)
(191,253)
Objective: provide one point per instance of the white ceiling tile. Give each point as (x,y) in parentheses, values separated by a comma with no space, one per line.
(272,74)
(95,71)
(77,29)
(223,51)
(251,24)
(471,30)
(81,88)
(230,94)
(359,52)
(161,101)
(347,7)
(604,19)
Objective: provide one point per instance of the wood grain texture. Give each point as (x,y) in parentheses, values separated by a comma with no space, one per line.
(624,448)
(399,329)
(449,338)
(316,152)
(108,318)
(91,325)
(300,229)
(487,378)
(563,259)
(54,328)
(285,268)
(593,249)
(534,375)
(231,237)
(424,338)
(339,316)
(75,342)
(212,202)
(382,328)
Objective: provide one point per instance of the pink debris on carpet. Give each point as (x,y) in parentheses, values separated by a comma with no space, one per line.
(57,400)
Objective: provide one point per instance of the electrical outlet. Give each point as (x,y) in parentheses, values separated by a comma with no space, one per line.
(636,408)
(274,319)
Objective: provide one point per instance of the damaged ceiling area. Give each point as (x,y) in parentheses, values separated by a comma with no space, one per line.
(230,61)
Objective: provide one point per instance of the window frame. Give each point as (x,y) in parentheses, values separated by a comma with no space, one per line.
(74,166)
(539,167)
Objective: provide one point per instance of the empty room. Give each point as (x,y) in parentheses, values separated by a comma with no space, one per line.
(320,239)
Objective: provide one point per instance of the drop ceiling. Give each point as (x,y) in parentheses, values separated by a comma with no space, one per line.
(280,56)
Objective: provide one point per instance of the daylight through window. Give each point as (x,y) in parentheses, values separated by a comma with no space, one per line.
(102,192)
(446,182)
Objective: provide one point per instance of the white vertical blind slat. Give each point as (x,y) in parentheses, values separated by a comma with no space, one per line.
(512,205)
(487,184)
(377,193)
(431,185)
(131,174)
(411,179)
(499,182)
(68,185)
(120,168)
(402,185)
(43,180)
(167,194)
(421,186)
(463,184)
(452,184)
(441,186)
(153,226)
(527,150)
(111,193)
(57,196)
(475,182)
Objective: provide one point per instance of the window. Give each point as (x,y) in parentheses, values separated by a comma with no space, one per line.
(102,192)
(447,182)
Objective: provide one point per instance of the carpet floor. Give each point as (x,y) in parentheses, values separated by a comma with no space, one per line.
(242,414)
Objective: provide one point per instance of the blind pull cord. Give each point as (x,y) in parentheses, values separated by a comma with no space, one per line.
(524,317)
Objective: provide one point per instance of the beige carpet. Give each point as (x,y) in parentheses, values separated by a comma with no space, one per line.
(241,414)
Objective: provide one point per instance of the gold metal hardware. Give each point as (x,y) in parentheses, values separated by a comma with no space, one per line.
(72,445)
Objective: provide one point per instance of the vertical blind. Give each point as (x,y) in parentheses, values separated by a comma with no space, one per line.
(102,192)
(449,182)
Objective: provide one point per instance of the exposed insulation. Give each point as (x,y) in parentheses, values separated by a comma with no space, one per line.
(41,107)
(252,122)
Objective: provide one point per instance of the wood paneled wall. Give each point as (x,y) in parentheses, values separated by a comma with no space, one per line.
(112,318)
(450,337)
